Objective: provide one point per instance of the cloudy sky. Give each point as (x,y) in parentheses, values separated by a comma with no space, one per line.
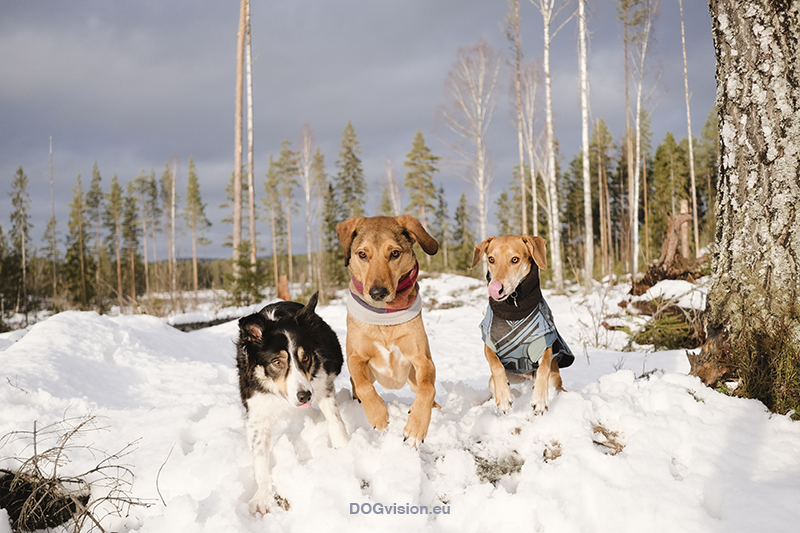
(133,84)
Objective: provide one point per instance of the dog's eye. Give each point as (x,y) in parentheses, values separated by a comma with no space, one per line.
(362,255)
(277,363)
(395,254)
(491,259)
(515,260)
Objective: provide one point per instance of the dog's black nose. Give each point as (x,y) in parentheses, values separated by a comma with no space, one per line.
(303,396)
(378,293)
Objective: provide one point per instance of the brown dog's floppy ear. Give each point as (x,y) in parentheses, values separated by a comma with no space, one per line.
(429,245)
(480,249)
(346,232)
(536,247)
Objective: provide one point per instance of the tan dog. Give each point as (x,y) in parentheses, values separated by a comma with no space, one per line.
(515,296)
(386,339)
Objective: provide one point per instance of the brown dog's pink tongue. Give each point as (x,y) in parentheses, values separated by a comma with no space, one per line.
(494,289)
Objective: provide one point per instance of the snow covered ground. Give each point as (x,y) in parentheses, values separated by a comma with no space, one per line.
(634,445)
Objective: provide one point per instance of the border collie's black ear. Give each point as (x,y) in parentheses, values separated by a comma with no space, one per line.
(251,327)
(309,308)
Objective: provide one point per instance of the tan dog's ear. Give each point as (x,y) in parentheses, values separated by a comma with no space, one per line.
(480,249)
(347,231)
(421,237)
(536,247)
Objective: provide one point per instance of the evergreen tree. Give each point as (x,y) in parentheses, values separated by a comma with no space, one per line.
(113,222)
(503,214)
(94,206)
(272,204)
(21,228)
(7,270)
(441,230)
(333,212)
(78,264)
(707,154)
(385,206)
(228,205)
(288,170)
(195,214)
(350,184)
(670,184)
(130,235)
(463,237)
(601,145)
(421,165)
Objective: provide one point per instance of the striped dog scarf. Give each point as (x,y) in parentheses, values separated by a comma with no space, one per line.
(405,305)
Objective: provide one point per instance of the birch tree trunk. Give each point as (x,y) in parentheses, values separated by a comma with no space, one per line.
(237,150)
(587,179)
(306,151)
(689,127)
(53,220)
(548,11)
(514,23)
(251,172)
(755,284)
(634,201)
(529,86)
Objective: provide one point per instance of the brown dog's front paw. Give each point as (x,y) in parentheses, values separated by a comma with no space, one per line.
(377,415)
(416,429)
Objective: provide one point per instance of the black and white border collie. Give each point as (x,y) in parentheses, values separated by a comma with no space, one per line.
(286,356)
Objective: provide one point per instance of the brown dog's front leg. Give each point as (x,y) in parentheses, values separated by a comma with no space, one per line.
(422,380)
(498,383)
(364,391)
(541,382)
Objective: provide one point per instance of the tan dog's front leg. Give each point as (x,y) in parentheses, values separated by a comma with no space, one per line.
(364,390)
(541,382)
(498,383)
(422,380)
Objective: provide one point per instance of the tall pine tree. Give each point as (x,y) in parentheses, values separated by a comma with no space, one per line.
(113,222)
(421,165)
(463,236)
(78,264)
(349,184)
(94,206)
(194,213)
(21,228)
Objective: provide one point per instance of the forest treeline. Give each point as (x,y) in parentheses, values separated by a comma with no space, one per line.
(109,252)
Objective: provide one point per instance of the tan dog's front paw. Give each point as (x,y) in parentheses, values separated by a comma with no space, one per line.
(417,428)
(377,414)
(540,400)
(502,393)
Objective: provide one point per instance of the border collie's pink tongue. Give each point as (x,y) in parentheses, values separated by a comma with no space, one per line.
(304,406)
(494,289)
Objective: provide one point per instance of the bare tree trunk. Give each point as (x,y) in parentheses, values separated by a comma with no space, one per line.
(237,151)
(251,172)
(144,240)
(548,11)
(587,179)
(394,191)
(634,203)
(514,23)
(274,245)
(307,143)
(601,203)
(628,140)
(53,211)
(119,263)
(289,238)
(689,126)
(173,267)
(529,87)
(755,284)
(194,259)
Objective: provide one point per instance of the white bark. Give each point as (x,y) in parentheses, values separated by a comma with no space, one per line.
(634,202)
(587,180)
(689,127)
(306,153)
(549,11)
(529,85)
(237,150)
(251,172)
(394,191)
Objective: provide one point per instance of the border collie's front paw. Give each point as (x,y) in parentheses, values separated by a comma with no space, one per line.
(261,503)
(339,438)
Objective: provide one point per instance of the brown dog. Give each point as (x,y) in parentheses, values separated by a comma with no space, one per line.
(386,339)
(518,331)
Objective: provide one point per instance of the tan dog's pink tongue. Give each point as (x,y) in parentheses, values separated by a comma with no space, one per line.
(494,289)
